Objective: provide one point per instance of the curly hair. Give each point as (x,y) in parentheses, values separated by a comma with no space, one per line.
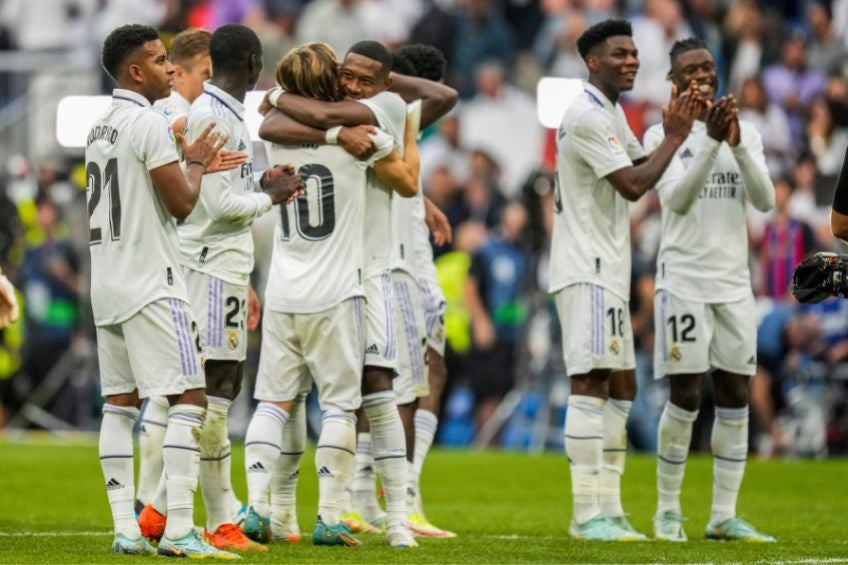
(231,46)
(425,60)
(122,42)
(310,70)
(599,33)
(684,45)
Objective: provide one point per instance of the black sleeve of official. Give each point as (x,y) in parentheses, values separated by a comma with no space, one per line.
(840,196)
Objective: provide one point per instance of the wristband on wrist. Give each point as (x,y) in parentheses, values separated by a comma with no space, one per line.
(200,163)
(274,95)
(331,137)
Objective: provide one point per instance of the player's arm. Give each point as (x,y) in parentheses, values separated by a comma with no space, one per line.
(9,310)
(438,223)
(482,330)
(839,213)
(279,128)
(436,99)
(179,191)
(324,115)
(401,173)
(751,160)
(634,181)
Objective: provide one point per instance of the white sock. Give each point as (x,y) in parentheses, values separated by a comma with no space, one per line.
(673,439)
(262,446)
(389,445)
(154,422)
(615,453)
(215,481)
(335,461)
(284,478)
(426,424)
(364,480)
(584,445)
(730,453)
(116,460)
(159,502)
(181,454)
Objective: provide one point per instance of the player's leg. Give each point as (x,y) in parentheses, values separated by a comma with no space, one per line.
(365,510)
(120,413)
(154,421)
(622,392)
(278,381)
(683,334)
(284,526)
(378,402)
(164,349)
(337,377)
(592,347)
(733,353)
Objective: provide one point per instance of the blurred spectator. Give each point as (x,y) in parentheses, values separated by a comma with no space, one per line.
(443,150)
(494,295)
(481,35)
(436,27)
(825,52)
(786,242)
(770,122)
(654,33)
(341,23)
(803,204)
(276,31)
(556,44)
(50,282)
(751,39)
(793,86)
(501,120)
(828,127)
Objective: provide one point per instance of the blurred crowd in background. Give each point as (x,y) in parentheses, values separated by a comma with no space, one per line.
(489,166)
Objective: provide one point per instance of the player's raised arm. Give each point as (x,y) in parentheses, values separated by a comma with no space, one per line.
(179,191)
(325,115)
(436,99)
(401,173)
(678,116)
(839,212)
(279,128)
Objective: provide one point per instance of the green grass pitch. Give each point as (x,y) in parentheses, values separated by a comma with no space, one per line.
(506,508)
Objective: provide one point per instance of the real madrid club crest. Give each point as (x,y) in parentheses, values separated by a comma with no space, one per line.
(233,340)
(675,354)
(615,347)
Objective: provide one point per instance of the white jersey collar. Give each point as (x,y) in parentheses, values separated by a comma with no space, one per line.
(597,97)
(233,105)
(131,97)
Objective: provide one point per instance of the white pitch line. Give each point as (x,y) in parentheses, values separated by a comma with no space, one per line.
(52,534)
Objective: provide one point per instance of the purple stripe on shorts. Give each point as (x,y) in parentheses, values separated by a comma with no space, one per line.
(602,315)
(391,339)
(411,330)
(360,333)
(177,331)
(210,311)
(192,358)
(593,313)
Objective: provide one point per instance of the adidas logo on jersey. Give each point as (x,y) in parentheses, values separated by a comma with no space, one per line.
(687,154)
(373,349)
(241,145)
(325,473)
(257,467)
(113,484)
(752,360)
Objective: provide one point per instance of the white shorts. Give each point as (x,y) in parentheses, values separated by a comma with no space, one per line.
(157,351)
(380,332)
(411,381)
(694,337)
(596,331)
(434,313)
(325,347)
(220,309)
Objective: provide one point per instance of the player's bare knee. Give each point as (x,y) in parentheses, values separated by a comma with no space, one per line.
(376,379)
(622,385)
(130,399)
(594,383)
(686,391)
(731,390)
(223,378)
(195,396)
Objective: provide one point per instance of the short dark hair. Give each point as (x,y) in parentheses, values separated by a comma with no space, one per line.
(599,33)
(426,61)
(231,46)
(122,42)
(402,66)
(374,50)
(684,45)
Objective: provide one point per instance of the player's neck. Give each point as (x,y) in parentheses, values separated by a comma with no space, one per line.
(234,86)
(611,93)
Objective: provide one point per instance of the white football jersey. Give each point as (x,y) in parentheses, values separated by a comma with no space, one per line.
(704,253)
(134,257)
(173,107)
(215,238)
(318,259)
(390,112)
(591,239)
(405,213)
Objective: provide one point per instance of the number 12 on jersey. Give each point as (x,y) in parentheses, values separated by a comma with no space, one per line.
(98,183)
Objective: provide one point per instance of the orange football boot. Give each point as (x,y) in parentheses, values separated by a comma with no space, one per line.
(230,537)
